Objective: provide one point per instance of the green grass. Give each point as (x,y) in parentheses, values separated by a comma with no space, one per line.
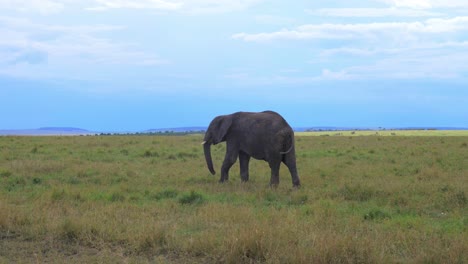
(151,199)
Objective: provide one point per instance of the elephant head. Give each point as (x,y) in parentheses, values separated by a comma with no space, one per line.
(215,134)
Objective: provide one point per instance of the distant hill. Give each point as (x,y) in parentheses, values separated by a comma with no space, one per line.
(65,129)
(47,131)
(175,130)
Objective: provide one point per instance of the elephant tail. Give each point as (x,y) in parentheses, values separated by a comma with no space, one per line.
(288,141)
(289,150)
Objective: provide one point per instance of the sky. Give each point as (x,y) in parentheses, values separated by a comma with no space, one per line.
(121,65)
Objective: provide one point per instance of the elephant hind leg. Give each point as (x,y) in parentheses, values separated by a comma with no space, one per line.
(244,160)
(290,161)
(274,166)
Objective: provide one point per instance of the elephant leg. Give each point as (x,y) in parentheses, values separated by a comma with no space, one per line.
(229,160)
(274,166)
(244,160)
(290,161)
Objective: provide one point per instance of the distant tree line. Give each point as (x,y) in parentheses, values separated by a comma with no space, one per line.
(158,133)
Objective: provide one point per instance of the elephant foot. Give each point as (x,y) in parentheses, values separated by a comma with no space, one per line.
(296,186)
(274,185)
(296,182)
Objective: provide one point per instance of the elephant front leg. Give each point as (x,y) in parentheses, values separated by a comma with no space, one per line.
(229,160)
(244,160)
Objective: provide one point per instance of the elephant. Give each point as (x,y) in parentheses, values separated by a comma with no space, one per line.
(261,135)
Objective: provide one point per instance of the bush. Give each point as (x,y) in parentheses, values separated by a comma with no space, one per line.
(5,173)
(192,198)
(299,199)
(166,194)
(149,154)
(70,230)
(375,215)
(356,193)
(117,197)
(58,195)
(459,199)
(37,181)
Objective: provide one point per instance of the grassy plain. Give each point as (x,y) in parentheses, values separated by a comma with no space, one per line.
(151,199)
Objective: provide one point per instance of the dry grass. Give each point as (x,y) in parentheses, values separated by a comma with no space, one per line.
(151,199)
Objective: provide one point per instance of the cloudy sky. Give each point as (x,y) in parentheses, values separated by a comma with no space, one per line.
(121,65)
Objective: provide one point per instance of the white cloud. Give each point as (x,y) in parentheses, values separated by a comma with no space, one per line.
(351,51)
(47,7)
(366,52)
(434,48)
(274,20)
(438,25)
(410,3)
(373,12)
(396,30)
(217,6)
(44,7)
(412,65)
(102,5)
(431,60)
(426,4)
(184,6)
(334,75)
(25,42)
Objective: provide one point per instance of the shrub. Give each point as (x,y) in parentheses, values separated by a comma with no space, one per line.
(183,155)
(375,215)
(70,230)
(149,154)
(117,197)
(58,195)
(298,199)
(459,199)
(192,198)
(356,193)
(15,183)
(37,181)
(273,199)
(166,194)
(171,157)
(5,173)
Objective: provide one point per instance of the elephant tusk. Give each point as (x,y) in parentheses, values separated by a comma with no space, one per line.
(203,143)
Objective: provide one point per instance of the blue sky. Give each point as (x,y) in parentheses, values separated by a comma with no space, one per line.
(120,65)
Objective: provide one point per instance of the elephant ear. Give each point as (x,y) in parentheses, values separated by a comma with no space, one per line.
(223,127)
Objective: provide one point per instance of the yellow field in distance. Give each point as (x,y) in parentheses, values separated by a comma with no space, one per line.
(442,133)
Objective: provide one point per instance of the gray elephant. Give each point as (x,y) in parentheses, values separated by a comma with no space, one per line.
(264,136)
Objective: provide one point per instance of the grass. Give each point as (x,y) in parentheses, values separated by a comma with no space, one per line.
(147,199)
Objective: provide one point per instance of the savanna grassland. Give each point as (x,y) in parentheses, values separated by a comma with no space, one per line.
(151,199)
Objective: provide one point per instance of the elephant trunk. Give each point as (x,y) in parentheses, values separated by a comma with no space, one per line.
(209,161)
